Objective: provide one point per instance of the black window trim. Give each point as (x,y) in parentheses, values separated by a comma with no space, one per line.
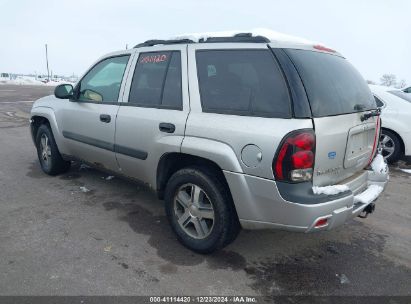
(160,106)
(243,113)
(301,108)
(75,90)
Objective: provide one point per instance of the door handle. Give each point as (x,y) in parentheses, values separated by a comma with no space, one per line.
(167,127)
(105,118)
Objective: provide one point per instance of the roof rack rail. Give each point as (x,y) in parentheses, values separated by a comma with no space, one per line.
(159,41)
(240,37)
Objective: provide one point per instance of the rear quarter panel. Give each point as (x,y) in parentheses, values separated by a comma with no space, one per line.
(233,132)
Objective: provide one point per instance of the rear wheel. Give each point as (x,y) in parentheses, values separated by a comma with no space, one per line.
(391,146)
(49,156)
(200,210)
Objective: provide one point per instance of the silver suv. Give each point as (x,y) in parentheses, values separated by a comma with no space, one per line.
(231,132)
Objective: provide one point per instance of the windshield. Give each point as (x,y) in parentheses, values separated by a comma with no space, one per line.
(332,84)
(402,95)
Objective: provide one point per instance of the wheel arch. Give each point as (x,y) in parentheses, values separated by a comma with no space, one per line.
(172,162)
(40,115)
(36,121)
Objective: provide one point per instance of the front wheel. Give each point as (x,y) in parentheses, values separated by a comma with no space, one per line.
(49,156)
(200,210)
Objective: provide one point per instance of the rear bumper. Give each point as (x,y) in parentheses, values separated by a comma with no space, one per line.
(260,205)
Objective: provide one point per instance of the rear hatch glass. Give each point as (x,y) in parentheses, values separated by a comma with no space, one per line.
(332,84)
(338,97)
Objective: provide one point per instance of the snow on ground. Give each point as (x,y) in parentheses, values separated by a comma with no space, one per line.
(330,190)
(273,36)
(406,170)
(84,189)
(28,81)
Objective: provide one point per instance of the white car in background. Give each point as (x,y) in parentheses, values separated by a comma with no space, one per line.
(396,117)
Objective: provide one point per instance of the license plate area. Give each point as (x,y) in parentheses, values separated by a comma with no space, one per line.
(359,145)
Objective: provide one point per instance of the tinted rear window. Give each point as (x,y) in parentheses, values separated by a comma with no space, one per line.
(242,82)
(332,84)
(405,96)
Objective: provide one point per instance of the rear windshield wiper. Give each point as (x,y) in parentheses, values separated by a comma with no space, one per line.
(373,113)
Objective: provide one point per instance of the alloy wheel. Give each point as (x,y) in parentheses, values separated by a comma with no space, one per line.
(194,211)
(45,150)
(387,145)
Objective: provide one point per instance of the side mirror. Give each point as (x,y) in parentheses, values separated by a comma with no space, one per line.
(64,91)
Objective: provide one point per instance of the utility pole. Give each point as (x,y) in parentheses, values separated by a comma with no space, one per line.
(47,61)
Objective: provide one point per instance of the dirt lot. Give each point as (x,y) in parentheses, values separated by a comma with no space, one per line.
(115,240)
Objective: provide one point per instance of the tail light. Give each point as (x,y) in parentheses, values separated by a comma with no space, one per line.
(294,161)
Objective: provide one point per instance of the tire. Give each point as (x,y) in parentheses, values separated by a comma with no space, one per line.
(50,158)
(206,223)
(391,146)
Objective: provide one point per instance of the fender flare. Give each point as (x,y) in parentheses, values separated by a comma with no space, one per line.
(48,113)
(220,153)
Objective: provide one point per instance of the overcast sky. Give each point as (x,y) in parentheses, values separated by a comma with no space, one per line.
(375,35)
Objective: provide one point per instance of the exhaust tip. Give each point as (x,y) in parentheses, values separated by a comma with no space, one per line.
(367,210)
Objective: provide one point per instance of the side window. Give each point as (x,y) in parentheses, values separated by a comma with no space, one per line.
(242,82)
(380,104)
(102,83)
(157,81)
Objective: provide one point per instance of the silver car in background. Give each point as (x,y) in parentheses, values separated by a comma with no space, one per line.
(238,131)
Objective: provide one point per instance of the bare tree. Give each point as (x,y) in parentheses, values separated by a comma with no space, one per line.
(401,84)
(388,80)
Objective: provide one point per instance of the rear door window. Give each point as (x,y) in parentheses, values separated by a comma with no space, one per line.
(242,82)
(157,81)
(332,84)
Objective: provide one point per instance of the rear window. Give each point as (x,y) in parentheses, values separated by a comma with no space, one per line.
(332,84)
(242,82)
(405,96)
